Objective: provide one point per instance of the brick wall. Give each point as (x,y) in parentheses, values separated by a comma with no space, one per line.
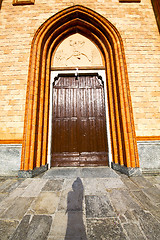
(137,26)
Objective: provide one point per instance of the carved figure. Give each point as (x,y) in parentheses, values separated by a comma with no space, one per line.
(77,55)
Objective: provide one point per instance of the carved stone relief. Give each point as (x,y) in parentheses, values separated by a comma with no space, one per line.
(77,51)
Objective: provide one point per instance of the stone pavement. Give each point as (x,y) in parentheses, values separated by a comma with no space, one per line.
(80,203)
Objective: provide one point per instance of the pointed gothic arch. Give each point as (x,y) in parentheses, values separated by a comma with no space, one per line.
(78,19)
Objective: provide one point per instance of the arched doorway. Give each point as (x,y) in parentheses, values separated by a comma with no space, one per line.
(78,19)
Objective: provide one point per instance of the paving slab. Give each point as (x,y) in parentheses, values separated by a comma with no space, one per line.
(7,201)
(17,209)
(107,229)
(46,203)
(129,216)
(153,193)
(34,188)
(154,180)
(6,184)
(53,185)
(122,201)
(98,207)
(18,192)
(80,203)
(62,206)
(67,187)
(129,183)
(68,183)
(75,226)
(3,195)
(59,224)
(101,185)
(22,229)
(14,185)
(35,228)
(7,228)
(149,225)
(141,182)
(25,183)
(144,200)
(133,231)
(151,179)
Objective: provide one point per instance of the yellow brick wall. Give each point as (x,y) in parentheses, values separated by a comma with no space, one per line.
(137,26)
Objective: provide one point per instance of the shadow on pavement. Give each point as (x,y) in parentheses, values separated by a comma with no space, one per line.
(75,225)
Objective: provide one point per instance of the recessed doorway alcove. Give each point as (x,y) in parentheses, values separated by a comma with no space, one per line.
(106,38)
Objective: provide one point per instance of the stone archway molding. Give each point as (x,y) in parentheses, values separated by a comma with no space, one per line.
(78,19)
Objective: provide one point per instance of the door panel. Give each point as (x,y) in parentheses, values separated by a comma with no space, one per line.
(79,135)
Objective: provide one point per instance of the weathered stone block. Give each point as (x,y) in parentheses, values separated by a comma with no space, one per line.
(144,201)
(153,194)
(10,158)
(108,229)
(149,225)
(53,185)
(75,226)
(46,203)
(34,188)
(123,201)
(59,224)
(127,170)
(133,231)
(17,209)
(149,152)
(141,182)
(101,185)
(7,228)
(98,207)
(34,228)
(129,183)
(32,173)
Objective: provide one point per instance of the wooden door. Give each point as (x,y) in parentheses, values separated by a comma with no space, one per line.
(79,136)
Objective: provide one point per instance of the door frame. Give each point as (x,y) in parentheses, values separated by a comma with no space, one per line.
(102,74)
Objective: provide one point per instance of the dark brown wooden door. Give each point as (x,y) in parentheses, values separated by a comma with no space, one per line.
(79,135)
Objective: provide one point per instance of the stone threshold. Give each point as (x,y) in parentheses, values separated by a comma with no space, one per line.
(82,172)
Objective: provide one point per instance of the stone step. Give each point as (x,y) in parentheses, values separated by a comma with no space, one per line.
(82,172)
